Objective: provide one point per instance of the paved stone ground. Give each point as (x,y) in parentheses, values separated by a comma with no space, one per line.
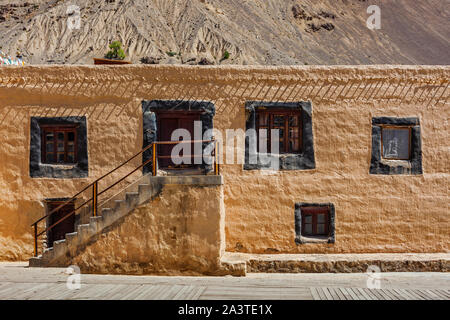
(17,281)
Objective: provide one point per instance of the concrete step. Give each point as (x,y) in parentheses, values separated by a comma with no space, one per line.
(147,187)
(132,199)
(344,263)
(59,247)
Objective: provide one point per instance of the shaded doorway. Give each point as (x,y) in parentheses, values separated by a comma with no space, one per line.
(161,117)
(58,232)
(167,123)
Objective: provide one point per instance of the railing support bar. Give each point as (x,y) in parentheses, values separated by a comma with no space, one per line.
(94,198)
(216,162)
(35,241)
(154,163)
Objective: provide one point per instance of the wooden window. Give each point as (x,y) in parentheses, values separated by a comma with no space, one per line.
(59,144)
(396,143)
(315,221)
(289,124)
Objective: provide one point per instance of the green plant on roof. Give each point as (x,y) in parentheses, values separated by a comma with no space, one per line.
(225,56)
(171,53)
(116,51)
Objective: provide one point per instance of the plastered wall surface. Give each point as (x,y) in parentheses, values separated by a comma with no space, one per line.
(177,233)
(374,213)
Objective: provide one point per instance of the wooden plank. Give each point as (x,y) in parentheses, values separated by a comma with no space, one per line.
(196,293)
(4,286)
(400,295)
(170,293)
(253,291)
(378,294)
(52,292)
(102,292)
(411,295)
(86,291)
(157,291)
(403,294)
(165,292)
(31,291)
(352,295)
(338,293)
(419,294)
(148,292)
(327,294)
(259,293)
(8,292)
(334,294)
(357,293)
(397,294)
(341,294)
(371,293)
(129,288)
(116,289)
(131,295)
(389,293)
(364,293)
(441,294)
(314,293)
(429,294)
(321,294)
(180,294)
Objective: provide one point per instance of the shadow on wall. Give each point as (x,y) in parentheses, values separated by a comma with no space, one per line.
(117,95)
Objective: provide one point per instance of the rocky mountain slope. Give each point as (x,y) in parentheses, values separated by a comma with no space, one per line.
(270,32)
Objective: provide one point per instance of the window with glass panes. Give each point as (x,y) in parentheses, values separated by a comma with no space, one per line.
(315,221)
(396,143)
(59,144)
(289,126)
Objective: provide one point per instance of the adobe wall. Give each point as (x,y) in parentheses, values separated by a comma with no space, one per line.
(374,213)
(179,232)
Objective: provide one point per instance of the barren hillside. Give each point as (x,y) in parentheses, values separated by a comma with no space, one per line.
(270,32)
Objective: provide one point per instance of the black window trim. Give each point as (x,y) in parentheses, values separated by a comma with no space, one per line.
(305,160)
(38,169)
(387,166)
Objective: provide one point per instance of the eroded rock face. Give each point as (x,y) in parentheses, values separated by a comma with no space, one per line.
(253,32)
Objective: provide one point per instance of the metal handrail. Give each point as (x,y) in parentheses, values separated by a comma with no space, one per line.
(96,193)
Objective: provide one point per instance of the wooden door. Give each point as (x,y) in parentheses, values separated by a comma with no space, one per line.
(59,231)
(167,123)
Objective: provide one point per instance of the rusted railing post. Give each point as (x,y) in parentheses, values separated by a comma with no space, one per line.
(35,241)
(216,162)
(94,198)
(154,164)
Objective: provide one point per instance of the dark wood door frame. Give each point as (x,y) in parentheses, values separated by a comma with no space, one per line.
(179,119)
(59,231)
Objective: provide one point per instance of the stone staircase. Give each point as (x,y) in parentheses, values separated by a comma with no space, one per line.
(117,207)
(143,190)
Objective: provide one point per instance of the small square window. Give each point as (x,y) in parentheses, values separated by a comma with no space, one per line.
(396,143)
(314,222)
(396,146)
(58,147)
(63,151)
